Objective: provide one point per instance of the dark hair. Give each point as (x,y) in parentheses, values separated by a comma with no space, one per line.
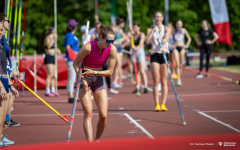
(2,17)
(70,28)
(208,24)
(119,20)
(105,30)
(136,24)
(158,11)
(50,30)
(96,24)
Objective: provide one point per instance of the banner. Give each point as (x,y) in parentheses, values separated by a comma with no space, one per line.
(221,20)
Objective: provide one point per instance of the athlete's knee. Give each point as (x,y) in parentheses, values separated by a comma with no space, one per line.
(164,81)
(103,117)
(155,83)
(88,114)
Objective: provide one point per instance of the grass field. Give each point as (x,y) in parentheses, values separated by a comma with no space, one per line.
(221,65)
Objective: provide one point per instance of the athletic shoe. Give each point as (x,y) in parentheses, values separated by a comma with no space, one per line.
(163,107)
(11,123)
(70,100)
(116,85)
(179,82)
(159,87)
(199,75)
(157,108)
(50,94)
(174,76)
(56,94)
(145,91)
(135,91)
(2,144)
(112,91)
(120,83)
(6,141)
(207,76)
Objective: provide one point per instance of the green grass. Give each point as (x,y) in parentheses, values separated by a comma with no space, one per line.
(220,66)
(230,68)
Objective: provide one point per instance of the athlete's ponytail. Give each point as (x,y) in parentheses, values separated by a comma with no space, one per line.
(105,30)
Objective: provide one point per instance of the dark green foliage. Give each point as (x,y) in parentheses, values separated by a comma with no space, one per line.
(40,15)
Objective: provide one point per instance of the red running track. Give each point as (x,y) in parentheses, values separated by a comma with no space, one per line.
(211,108)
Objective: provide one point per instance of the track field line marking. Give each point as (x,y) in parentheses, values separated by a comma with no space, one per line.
(218,121)
(138,125)
(206,94)
(49,101)
(43,115)
(222,111)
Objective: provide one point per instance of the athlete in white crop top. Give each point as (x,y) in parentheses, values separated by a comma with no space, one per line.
(158,66)
(179,51)
(155,43)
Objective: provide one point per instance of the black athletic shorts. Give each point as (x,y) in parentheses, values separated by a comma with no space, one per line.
(49,59)
(158,58)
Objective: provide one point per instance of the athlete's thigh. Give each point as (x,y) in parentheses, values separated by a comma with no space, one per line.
(155,70)
(182,55)
(164,72)
(176,56)
(85,99)
(101,100)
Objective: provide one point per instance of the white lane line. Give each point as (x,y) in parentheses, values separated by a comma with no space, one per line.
(218,121)
(206,94)
(44,115)
(222,111)
(138,125)
(48,101)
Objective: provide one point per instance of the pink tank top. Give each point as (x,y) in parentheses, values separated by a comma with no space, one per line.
(95,59)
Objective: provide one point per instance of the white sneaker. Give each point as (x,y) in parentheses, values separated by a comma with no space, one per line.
(2,144)
(116,85)
(199,76)
(159,87)
(121,84)
(6,141)
(112,91)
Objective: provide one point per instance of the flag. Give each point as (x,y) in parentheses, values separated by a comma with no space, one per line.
(221,20)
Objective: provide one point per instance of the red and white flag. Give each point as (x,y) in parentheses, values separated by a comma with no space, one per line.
(221,20)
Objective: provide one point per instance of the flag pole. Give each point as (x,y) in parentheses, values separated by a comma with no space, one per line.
(96,10)
(19,30)
(7,33)
(15,30)
(55,26)
(239,26)
(22,41)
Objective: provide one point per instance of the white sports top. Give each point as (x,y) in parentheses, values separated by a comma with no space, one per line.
(155,44)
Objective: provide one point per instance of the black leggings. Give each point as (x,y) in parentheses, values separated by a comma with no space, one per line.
(208,50)
(105,67)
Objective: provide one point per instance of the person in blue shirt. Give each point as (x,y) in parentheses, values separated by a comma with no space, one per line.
(71,44)
(11,73)
(5,87)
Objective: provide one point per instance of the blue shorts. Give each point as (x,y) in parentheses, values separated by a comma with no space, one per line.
(4,80)
(119,48)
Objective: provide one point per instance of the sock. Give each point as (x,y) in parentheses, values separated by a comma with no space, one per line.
(53,89)
(47,90)
(7,117)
